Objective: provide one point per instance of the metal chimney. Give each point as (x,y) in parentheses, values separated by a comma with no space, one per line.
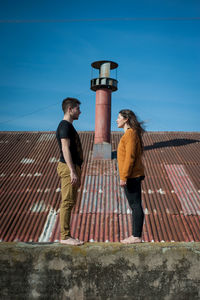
(103,86)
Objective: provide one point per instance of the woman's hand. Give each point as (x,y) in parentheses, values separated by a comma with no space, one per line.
(122,183)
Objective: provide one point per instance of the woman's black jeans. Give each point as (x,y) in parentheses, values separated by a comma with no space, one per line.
(133,194)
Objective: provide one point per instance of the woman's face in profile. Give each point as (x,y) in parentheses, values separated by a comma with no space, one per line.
(121,121)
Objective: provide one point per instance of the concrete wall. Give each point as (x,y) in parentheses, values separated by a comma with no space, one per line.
(100,271)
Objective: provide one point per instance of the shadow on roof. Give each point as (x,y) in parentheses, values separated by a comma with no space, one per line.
(171,143)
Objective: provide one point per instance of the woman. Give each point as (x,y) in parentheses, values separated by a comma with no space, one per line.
(131,170)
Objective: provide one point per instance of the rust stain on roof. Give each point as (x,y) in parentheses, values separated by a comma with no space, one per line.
(30,189)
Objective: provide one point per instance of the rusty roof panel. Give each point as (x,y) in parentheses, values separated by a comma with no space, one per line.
(30,189)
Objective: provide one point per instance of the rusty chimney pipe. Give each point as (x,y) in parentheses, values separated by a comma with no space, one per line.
(103,86)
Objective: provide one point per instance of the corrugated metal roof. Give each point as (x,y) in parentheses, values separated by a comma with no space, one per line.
(30,189)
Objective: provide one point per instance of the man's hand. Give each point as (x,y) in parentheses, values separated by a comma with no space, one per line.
(74,178)
(68,158)
(122,183)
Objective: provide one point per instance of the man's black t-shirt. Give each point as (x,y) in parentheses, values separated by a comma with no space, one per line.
(66,130)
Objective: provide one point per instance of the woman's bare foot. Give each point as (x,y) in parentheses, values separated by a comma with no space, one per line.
(131,240)
(71,241)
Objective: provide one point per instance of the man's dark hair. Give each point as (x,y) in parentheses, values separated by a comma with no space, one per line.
(72,102)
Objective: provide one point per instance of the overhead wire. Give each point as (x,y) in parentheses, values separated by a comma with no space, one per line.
(100,19)
(40,109)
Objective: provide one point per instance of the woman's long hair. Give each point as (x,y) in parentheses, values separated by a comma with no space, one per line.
(134,123)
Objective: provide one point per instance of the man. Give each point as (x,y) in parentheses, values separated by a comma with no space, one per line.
(69,166)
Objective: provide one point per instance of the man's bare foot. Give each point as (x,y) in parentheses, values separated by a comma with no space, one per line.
(131,240)
(71,241)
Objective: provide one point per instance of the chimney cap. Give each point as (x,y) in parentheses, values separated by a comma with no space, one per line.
(97,64)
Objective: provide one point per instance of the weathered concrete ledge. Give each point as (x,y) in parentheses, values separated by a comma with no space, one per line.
(100,271)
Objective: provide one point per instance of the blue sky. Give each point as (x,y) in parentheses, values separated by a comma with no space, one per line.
(44,60)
